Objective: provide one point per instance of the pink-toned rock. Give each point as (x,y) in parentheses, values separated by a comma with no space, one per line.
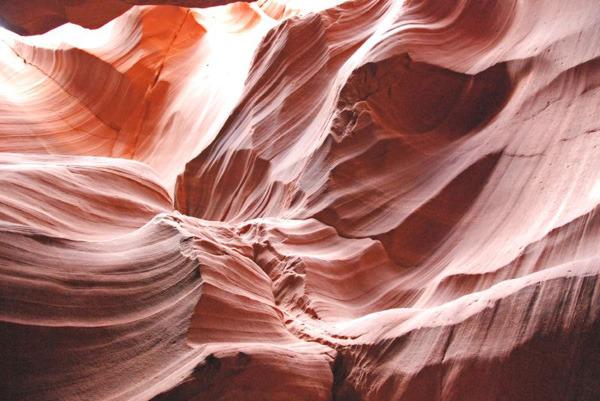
(300,200)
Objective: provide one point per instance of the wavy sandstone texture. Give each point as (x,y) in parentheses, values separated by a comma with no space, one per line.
(300,200)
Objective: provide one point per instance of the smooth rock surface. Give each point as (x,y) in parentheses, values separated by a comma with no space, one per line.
(300,200)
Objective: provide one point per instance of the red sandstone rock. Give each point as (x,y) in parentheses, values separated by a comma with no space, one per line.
(40,16)
(300,200)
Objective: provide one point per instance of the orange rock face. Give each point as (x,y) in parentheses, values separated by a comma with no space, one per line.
(300,200)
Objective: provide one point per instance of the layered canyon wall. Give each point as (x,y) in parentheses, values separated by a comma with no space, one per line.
(300,200)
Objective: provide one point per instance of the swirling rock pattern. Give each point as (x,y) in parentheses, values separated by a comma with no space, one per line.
(360,200)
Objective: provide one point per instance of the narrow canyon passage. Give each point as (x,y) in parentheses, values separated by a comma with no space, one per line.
(300,200)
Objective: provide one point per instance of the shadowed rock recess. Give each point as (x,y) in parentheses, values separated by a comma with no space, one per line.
(300,200)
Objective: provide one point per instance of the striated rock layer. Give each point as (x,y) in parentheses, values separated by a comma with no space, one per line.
(291,200)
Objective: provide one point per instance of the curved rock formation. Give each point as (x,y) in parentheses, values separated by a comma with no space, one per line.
(40,16)
(300,200)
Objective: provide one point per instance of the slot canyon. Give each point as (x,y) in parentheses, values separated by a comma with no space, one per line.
(300,200)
